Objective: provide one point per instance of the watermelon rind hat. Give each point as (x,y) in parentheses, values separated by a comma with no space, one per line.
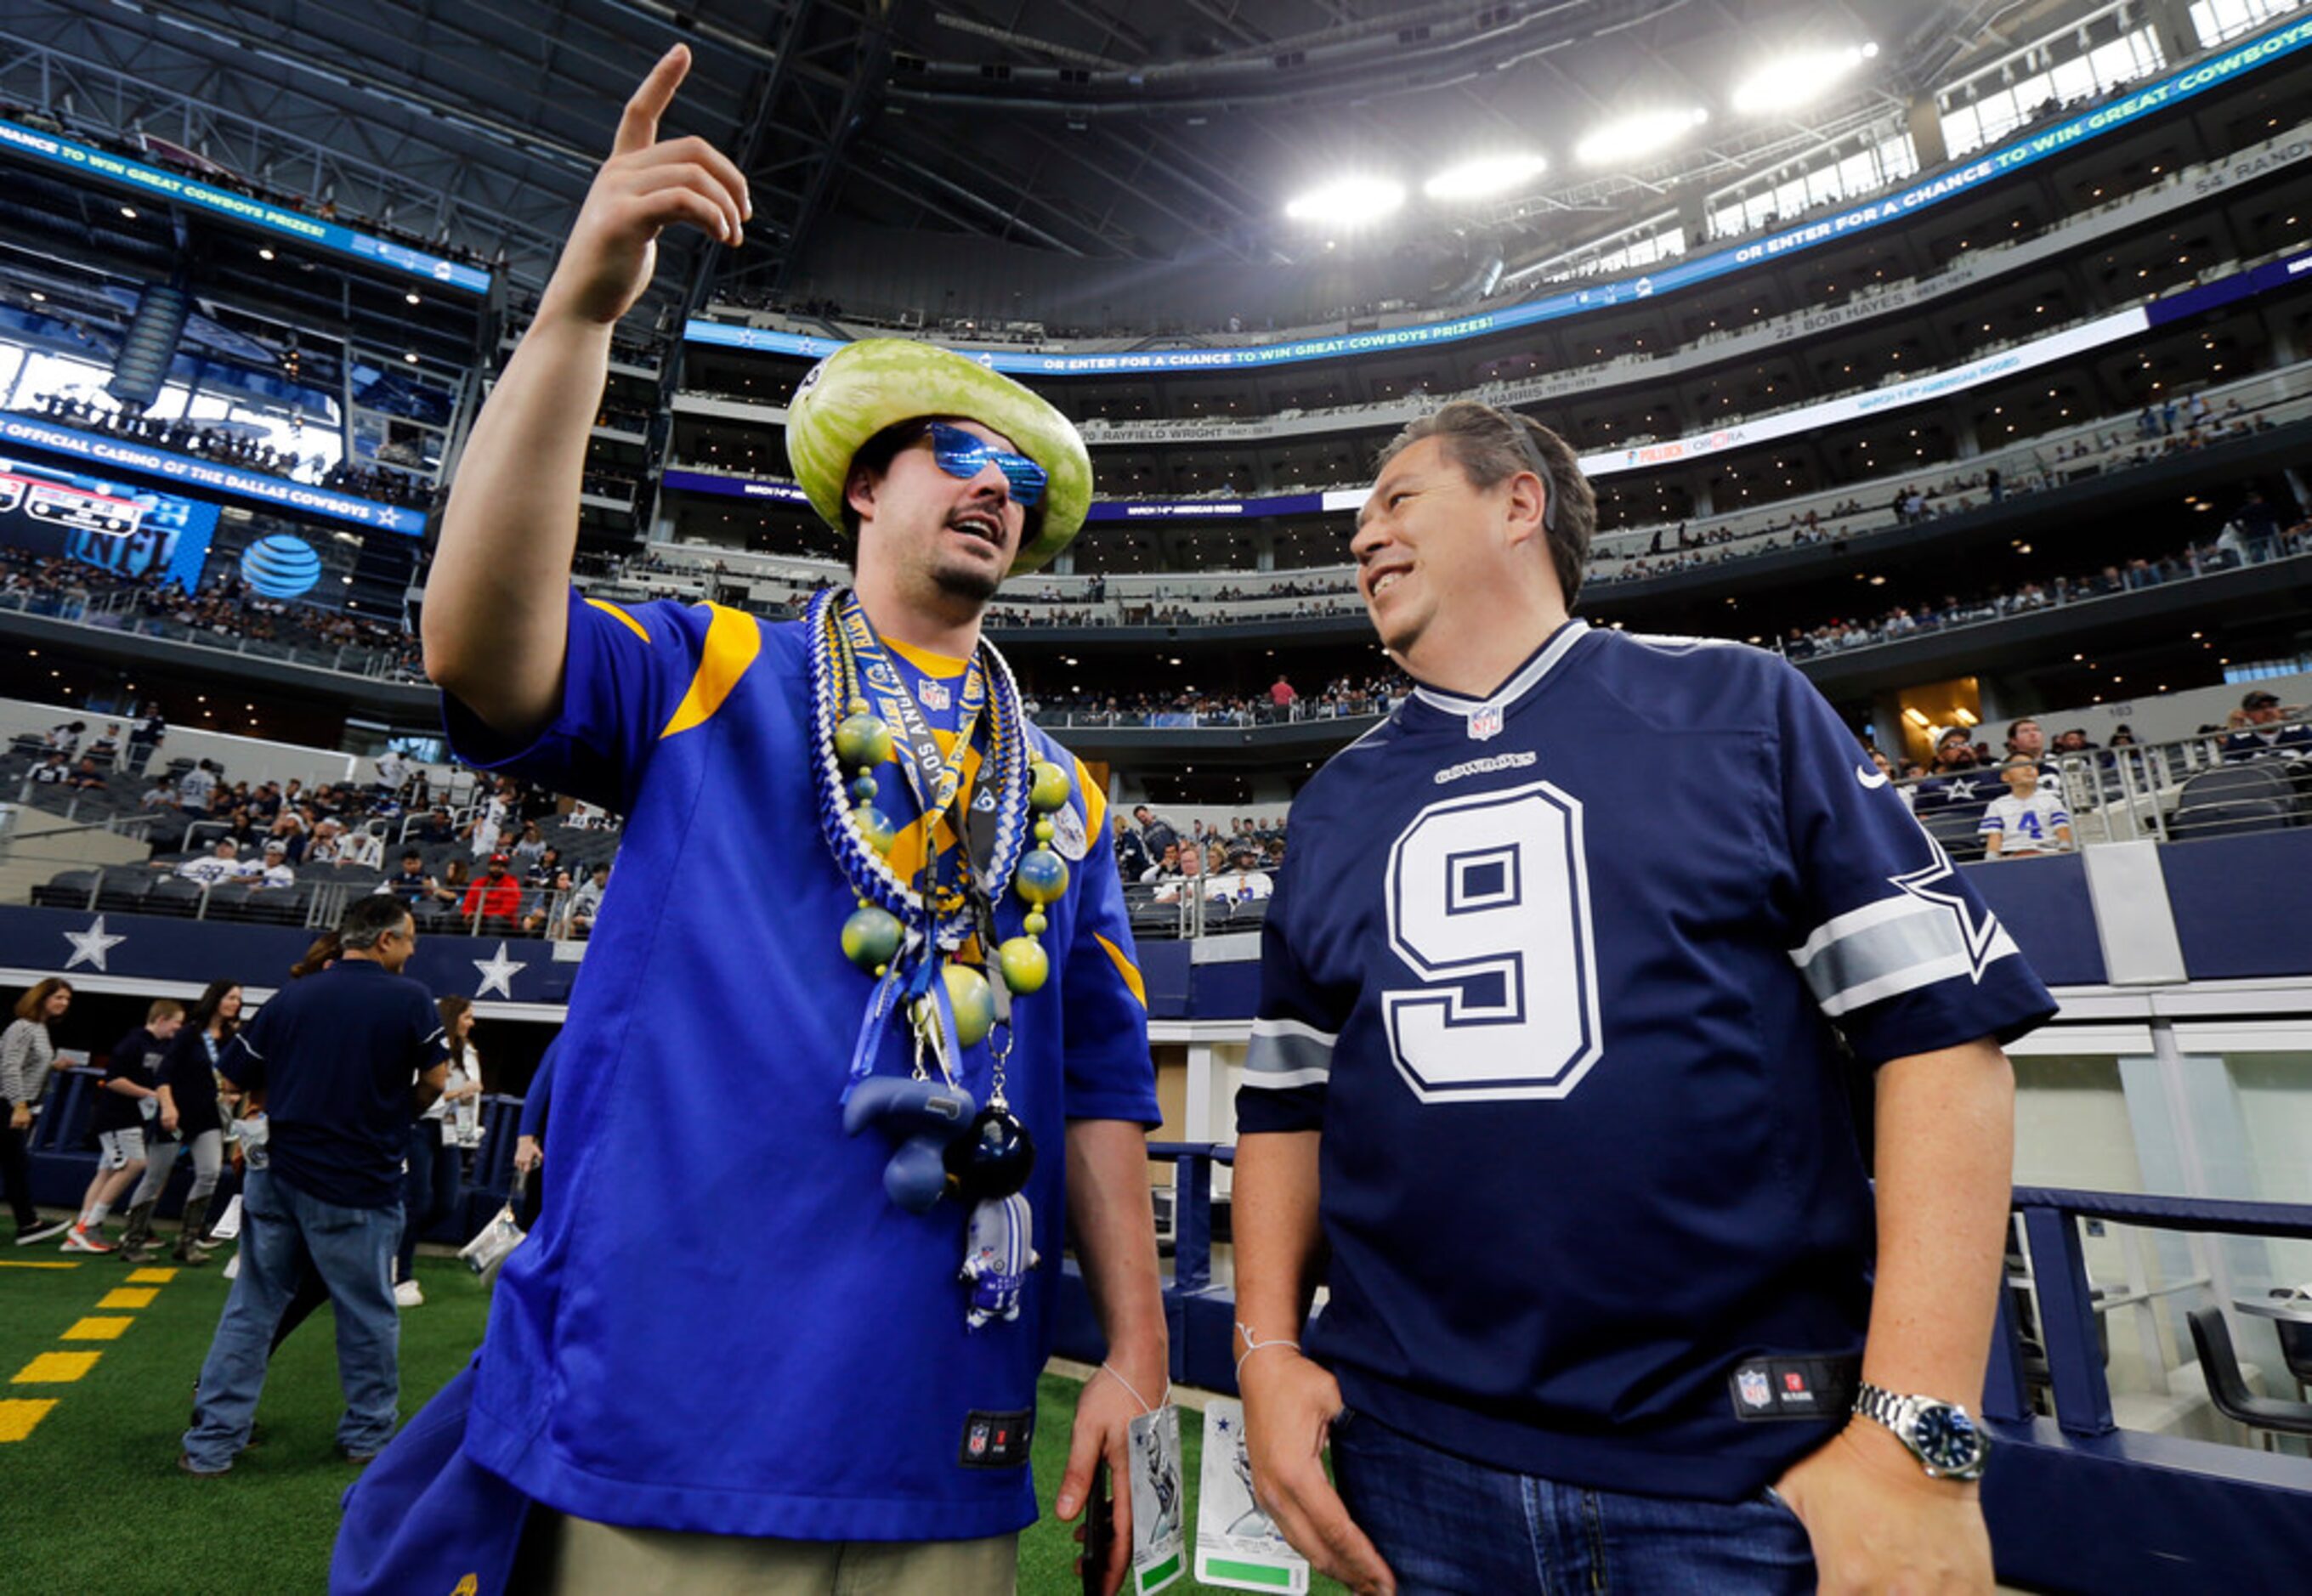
(865,387)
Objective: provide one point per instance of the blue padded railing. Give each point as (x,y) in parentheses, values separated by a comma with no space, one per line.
(2074,1503)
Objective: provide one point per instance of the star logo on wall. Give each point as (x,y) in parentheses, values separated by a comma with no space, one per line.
(90,946)
(498,973)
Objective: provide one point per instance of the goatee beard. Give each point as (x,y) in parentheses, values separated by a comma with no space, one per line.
(976,588)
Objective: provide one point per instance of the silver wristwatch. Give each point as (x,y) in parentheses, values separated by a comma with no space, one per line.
(1942,1435)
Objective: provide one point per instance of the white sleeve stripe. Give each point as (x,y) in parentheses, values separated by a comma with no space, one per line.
(1285,1079)
(1286,1053)
(1871,914)
(246,1047)
(1294,1028)
(1894,945)
(1894,983)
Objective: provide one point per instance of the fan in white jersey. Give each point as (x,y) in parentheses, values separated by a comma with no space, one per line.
(2029,819)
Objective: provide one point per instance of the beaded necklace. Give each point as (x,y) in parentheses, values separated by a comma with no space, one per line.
(906,934)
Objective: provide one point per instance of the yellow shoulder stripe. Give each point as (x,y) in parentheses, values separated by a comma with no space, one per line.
(1123,967)
(732,642)
(624,619)
(1095,807)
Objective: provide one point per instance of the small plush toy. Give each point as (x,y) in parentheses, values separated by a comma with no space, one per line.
(998,1253)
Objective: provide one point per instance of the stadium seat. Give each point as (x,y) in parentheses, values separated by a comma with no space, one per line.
(1956,830)
(2234,782)
(2232,818)
(122,888)
(173,894)
(2212,1334)
(68,889)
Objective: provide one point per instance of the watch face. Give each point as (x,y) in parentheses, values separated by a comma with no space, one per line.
(1947,1438)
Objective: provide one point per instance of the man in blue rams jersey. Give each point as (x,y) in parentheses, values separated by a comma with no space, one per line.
(1547,1087)
(781,1326)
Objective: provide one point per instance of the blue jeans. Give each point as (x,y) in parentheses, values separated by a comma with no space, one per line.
(1444,1524)
(430,1189)
(284,1232)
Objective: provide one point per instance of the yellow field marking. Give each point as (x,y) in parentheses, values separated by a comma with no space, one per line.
(126,1298)
(19,1415)
(151,1276)
(98,1330)
(15,1263)
(55,1368)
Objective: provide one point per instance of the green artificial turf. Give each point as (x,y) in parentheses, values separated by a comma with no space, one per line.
(92,1500)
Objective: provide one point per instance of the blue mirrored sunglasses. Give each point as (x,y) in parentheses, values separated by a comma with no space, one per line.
(960,454)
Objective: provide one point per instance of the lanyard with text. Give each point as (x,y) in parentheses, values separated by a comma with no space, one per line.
(935,778)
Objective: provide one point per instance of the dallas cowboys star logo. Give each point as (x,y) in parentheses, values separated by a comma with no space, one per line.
(1921,884)
(498,973)
(90,946)
(1961,791)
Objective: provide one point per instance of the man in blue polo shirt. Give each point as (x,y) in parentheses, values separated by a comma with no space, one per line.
(346,1059)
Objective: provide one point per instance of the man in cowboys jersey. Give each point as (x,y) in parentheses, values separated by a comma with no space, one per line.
(1571,967)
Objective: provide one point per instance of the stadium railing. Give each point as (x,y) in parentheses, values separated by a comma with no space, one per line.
(2074,1501)
(117,612)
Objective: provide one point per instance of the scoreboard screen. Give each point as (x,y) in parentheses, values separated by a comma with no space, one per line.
(129,530)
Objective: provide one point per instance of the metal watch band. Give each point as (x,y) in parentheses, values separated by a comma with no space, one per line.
(1898,1414)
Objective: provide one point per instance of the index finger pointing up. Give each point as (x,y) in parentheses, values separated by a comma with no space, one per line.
(638,124)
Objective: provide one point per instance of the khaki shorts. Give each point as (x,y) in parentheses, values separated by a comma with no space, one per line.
(563,1556)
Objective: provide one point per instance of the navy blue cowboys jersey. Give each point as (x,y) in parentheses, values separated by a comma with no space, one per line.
(1561,976)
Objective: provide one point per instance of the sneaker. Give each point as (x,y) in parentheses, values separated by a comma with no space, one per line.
(407,1296)
(42,1230)
(84,1239)
(185,1464)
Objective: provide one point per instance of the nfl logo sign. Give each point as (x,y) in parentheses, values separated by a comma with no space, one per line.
(1752,1384)
(935,697)
(1485,724)
(977,1444)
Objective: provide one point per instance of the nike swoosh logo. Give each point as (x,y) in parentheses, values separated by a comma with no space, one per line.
(1868,777)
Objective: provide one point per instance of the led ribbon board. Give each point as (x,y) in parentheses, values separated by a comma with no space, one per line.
(2170,90)
(273,492)
(265,216)
(732,487)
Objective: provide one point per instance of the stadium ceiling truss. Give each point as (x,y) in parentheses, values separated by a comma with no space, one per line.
(1122,130)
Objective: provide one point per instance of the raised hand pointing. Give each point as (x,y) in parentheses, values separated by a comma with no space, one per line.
(644,189)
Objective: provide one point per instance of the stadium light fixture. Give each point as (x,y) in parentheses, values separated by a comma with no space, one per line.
(1796,79)
(1637,136)
(1485,175)
(1348,202)
(265,254)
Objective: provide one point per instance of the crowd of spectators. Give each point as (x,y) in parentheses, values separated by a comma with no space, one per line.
(1171,874)
(2233,548)
(1344,698)
(225,612)
(228,446)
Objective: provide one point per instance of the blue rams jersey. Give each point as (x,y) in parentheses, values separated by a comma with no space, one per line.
(722,1323)
(1560,976)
